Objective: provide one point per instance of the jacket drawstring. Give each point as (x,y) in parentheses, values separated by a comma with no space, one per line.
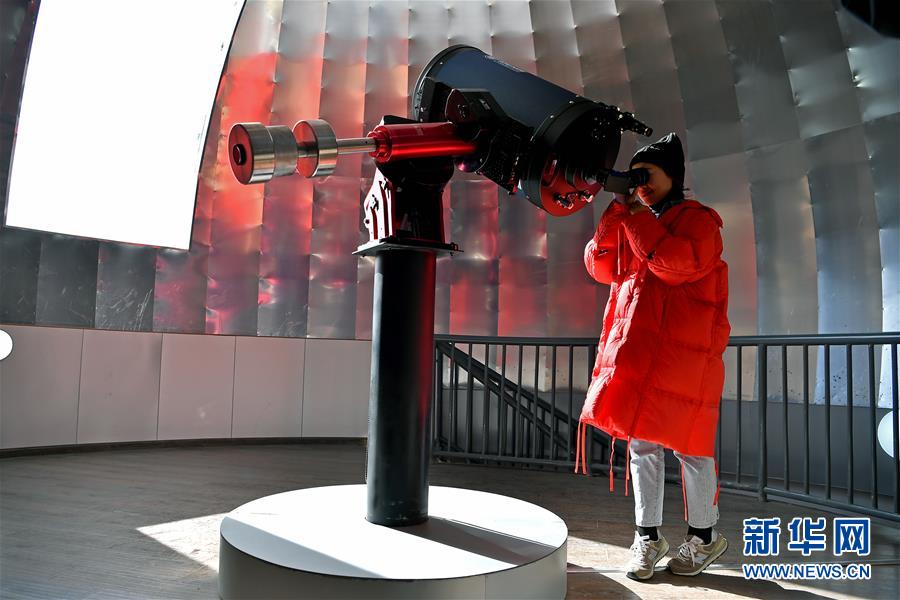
(584,442)
(580,456)
(718,485)
(683,493)
(612,452)
(627,462)
(577,446)
(619,250)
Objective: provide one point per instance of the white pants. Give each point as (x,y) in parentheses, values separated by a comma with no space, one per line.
(648,476)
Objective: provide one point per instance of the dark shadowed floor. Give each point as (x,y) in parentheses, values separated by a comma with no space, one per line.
(143,523)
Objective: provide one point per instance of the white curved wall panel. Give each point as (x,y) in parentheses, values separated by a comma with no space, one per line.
(268,387)
(118,398)
(39,387)
(65,386)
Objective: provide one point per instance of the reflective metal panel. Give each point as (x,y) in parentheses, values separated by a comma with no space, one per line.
(523,269)
(469,23)
(287,205)
(651,66)
(601,53)
(473,295)
(428,34)
(236,223)
(20,255)
(723,184)
(512,34)
(284,257)
(604,75)
(873,62)
(522,293)
(20,251)
(557,60)
(847,244)
(555,45)
(336,200)
(67,281)
(16,29)
(705,78)
(817,67)
(333,267)
(883,146)
(180,292)
(761,82)
(125,278)
(785,240)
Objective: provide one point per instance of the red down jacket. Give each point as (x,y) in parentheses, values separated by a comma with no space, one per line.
(659,371)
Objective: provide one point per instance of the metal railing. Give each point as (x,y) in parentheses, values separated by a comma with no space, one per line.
(801,424)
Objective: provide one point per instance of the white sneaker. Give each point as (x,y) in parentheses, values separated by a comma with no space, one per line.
(694,556)
(645,553)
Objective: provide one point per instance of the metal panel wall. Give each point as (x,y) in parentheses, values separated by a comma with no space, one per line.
(237,210)
(125,279)
(336,209)
(572,306)
(287,206)
(20,251)
(789,111)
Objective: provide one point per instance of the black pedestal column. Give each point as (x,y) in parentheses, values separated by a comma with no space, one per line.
(399,445)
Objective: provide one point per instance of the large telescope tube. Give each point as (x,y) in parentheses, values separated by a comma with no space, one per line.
(572,138)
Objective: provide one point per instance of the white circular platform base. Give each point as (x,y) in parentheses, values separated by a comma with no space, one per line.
(316,543)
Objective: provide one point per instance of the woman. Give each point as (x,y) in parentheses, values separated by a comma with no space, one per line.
(659,373)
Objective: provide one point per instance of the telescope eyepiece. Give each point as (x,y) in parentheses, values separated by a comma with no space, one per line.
(638,177)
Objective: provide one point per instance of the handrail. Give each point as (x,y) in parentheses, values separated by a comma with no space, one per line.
(851,382)
(743,340)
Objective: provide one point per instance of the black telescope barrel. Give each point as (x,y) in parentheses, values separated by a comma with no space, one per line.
(525,97)
(570,134)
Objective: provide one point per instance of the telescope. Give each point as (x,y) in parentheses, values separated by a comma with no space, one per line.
(527,135)
(471,112)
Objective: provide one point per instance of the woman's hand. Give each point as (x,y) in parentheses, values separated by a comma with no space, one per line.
(637,207)
(631,202)
(627,200)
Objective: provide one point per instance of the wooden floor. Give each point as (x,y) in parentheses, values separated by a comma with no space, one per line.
(143,523)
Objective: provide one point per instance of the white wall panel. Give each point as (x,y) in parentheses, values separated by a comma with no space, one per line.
(268,387)
(69,386)
(336,388)
(196,387)
(39,394)
(119,397)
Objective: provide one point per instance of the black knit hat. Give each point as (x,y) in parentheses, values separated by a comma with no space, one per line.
(667,154)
